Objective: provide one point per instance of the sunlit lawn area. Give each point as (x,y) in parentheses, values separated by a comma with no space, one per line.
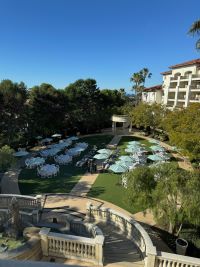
(107,185)
(30,183)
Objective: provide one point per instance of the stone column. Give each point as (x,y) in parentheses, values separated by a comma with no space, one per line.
(99,240)
(150,259)
(176,93)
(44,240)
(113,127)
(39,198)
(187,96)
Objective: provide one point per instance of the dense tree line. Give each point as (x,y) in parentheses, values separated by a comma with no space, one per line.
(44,110)
(181,126)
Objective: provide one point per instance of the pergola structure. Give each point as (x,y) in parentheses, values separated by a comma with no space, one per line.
(124,119)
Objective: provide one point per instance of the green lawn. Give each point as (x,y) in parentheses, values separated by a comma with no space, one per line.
(107,187)
(30,183)
(124,142)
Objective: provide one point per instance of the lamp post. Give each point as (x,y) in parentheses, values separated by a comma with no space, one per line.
(153,114)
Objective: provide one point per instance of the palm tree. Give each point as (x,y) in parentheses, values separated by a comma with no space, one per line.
(139,78)
(146,74)
(195,29)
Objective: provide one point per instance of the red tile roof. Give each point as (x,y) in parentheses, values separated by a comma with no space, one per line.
(153,88)
(166,72)
(187,63)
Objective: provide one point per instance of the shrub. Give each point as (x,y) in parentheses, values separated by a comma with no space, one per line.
(6,158)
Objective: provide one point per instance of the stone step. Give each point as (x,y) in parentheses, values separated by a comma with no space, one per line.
(118,250)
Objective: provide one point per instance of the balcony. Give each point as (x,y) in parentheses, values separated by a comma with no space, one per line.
(183,89)
(196,76)
(174,79)
(195,87)
(185,77)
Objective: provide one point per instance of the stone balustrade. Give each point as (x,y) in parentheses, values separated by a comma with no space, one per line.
(25,202)
(174,260)
(72,247)
(135,232)
(129,227)
(88,229)
(28,218)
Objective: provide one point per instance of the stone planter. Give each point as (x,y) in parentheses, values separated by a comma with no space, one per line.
(181,246)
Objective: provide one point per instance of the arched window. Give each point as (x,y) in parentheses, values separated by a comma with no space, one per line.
(187,73)
(177,74)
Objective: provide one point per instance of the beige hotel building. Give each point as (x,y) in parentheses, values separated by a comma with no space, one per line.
(181,86)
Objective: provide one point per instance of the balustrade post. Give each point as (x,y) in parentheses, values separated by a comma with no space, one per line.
(35,216)
(44,240)
(99,240)
(150,260)
(39,201)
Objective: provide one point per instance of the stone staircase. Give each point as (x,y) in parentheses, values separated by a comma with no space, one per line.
(118,250)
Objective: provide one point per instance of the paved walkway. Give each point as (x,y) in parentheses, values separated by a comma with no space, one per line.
(87,180)
(84,184)
(115,141)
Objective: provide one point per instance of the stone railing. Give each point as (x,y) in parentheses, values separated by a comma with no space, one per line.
(72,247)
(27,218)
(88,229)
(25,202)
(174,260)
(129,227)
(135,232)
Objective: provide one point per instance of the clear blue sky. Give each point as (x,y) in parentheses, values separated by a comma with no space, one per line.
(59,41)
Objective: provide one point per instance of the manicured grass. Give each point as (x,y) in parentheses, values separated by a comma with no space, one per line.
(69,175)
(107,187)
(124,142)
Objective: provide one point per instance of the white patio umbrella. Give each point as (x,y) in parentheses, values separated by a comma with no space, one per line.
(38,137)
(105,151)
(126,158)
(20,154)
(101,156)
(155,157)
(116,168)
(56,135)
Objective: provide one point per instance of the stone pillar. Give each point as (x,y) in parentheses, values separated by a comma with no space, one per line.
(39,200)
(113,127)
(176,93)
(99,240)
(187,96)
(150,260)
(35,217)
(44,240)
